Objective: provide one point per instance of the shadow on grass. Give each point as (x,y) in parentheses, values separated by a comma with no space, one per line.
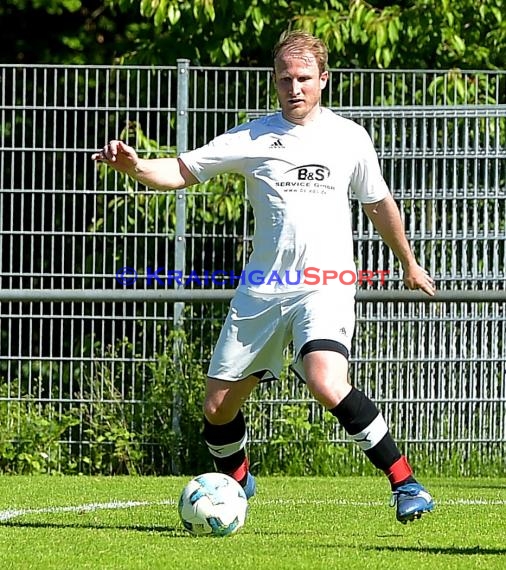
(480,485)
(178,532)
(453,550)
(172,530)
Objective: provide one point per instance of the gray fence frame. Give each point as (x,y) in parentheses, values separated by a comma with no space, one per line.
(442,401)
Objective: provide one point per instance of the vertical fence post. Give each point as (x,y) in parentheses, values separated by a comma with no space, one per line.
(183,66)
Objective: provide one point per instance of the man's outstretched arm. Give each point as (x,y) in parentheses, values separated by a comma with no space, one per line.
(157,173)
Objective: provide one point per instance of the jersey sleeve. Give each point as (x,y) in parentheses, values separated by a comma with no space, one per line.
(224,153)
(367,182)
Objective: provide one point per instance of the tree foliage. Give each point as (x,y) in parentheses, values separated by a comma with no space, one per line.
(437,34)
(446,33)
(61,32)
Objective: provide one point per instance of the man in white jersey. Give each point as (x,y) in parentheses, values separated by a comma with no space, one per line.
(300,165)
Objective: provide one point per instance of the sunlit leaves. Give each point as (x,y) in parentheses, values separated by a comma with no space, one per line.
(54,6)
(417,34)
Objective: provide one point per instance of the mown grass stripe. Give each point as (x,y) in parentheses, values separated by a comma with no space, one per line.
(15,513)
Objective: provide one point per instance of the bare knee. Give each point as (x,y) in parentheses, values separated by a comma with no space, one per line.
(223,399)
(217,413)
(329,392)
(327,377)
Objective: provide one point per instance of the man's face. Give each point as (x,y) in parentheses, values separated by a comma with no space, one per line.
(299,84)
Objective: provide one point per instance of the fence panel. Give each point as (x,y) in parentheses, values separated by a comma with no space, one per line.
(436,369)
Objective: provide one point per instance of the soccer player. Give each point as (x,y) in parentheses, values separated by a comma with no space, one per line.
(300,165)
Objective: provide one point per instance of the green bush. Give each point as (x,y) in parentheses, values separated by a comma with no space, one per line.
(157,429)
(31,433)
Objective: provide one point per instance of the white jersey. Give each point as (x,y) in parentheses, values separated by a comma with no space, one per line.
(298,180)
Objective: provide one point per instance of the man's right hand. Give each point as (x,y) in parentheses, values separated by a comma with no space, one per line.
(119,156)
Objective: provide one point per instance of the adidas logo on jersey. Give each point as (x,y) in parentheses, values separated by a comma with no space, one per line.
(277,144)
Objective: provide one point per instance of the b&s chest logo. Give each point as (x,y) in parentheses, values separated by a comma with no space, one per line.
(308,178)
(310,172)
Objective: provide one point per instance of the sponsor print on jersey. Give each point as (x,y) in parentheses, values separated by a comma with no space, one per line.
(308,178)
(310,172)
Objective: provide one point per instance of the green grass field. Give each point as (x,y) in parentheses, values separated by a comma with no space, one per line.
(293,523)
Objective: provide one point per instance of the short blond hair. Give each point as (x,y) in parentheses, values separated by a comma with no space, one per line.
(299,41)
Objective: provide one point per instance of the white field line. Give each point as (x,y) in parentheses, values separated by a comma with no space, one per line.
(14,513)
(10,514)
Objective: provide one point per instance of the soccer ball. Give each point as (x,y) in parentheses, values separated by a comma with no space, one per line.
(213,504)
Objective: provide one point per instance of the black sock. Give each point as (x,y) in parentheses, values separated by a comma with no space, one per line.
(362,420)
(226,443)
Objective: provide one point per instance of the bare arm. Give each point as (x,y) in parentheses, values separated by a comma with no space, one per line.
(387,220)
(157,173)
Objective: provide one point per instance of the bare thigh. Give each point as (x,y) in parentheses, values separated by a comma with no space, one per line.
(224,399)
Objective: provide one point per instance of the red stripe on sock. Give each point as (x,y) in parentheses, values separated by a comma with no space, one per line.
(399,471)
(240,473)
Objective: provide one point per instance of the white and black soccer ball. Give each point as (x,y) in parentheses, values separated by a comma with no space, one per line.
(213,504)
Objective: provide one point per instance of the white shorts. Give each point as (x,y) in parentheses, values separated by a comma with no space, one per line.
(258,329)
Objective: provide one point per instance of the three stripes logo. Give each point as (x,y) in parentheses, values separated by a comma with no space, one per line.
(277,144)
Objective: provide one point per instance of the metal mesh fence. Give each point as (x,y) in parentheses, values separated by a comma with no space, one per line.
(436,369)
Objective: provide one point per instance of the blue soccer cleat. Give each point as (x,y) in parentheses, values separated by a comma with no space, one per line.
(250,486)
(412,501)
